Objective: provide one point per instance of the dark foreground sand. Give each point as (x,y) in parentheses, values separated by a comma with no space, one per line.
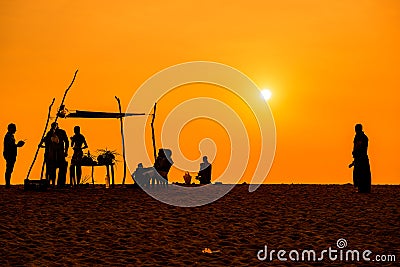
(124,226)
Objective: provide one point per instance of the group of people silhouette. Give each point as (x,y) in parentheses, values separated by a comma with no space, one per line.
(56,144)
(158,174)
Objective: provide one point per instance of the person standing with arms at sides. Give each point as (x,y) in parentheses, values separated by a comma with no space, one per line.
(78,143)
(361,171)
(10,151)
(56,149)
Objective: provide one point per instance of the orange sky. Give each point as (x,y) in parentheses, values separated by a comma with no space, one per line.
(330,64)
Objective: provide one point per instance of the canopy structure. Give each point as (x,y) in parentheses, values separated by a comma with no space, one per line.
(103,115)
(64,113)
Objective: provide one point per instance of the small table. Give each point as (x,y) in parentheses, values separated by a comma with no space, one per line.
(108,168)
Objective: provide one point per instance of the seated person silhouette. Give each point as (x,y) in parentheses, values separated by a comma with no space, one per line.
(158,174)
(204,175)
(162,165)
(139,176)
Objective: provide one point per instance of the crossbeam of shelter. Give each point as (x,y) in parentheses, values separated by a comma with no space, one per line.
(100,115)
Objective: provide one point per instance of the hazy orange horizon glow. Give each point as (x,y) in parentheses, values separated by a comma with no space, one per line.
(329,66)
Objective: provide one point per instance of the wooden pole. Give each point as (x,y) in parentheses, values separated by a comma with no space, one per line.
(42,171)
(122,137)
(47,122)
(41,140)
(65,94)
(92,174)
(152,132)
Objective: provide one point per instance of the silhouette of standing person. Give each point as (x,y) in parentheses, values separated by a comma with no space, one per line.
(78,143)
(56,149)
(361,171)
(10,151)
(204,175)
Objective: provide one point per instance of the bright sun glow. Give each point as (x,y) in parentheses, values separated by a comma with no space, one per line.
(266,93)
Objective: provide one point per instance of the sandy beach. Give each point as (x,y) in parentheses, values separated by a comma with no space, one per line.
(126,227)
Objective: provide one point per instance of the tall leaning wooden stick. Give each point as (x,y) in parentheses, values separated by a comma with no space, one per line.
(47,122)
(44,133)
(65,94)
(152,132)
(122,136)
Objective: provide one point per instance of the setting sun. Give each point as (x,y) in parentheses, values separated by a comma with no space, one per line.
(214,133)
(266,94)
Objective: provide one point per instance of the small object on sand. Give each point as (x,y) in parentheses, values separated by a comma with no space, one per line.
(35,185)
(187,177)
(209,251)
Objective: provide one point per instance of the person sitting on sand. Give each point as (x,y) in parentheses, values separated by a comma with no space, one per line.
(204,175)
(10,151)
(361,171)
(78,143)
(139,177)
(162,165)
(158,174)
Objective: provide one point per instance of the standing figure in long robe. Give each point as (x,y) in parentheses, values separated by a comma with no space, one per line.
(361,171)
